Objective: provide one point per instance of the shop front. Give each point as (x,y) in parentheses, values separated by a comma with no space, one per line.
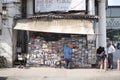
(46,38)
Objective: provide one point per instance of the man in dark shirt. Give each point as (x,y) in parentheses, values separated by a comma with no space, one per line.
(100,55)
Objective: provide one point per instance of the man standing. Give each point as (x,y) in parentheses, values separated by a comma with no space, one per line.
(111,50)
(67,56)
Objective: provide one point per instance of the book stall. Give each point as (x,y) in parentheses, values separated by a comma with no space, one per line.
(47,50)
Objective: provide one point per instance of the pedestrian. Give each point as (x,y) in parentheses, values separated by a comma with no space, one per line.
(101,55)
(98,54)
(24,59)
(67,51)
(110,51)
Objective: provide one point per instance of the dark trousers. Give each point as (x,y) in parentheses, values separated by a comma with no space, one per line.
(110,60)
(68,63)
(23,62)
(100,60)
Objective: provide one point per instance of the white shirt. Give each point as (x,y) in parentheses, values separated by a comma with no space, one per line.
(111,49)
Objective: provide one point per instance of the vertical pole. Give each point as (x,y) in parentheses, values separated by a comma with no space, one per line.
(118,64)
(24,7)
(102,23)
(105,64)
(30,7)
(91,7)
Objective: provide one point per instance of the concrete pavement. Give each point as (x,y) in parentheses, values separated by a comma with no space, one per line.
(116,56)
(60,74)
(45,73)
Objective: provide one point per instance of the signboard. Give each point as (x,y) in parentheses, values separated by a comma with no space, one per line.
(59,5)
(113,23)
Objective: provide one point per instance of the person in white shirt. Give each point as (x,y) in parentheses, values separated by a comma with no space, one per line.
(110,51)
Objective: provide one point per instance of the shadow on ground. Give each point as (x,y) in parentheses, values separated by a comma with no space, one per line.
(3,78)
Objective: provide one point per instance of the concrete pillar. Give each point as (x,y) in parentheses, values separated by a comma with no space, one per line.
(6,37)
(0,15)
(96,32)
(7,28)
(102,24)
(91,7)
(29,8)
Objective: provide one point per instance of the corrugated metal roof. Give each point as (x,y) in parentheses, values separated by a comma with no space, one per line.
(65,16)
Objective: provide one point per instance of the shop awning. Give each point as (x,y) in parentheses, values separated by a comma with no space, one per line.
(72,26)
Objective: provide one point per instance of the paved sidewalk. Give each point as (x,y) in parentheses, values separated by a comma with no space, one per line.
(37,73)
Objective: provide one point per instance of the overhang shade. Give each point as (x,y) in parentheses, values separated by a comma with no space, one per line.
(70,26)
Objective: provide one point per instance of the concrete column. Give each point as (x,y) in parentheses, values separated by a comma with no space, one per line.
(6,42)
(29,8)
(102,24)
(96,32)
(7,31)
(91,7)
(0,15)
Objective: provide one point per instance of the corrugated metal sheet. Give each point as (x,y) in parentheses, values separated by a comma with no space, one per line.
(65,16)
